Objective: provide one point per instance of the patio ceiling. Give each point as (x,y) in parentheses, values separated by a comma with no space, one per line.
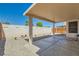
(54,11)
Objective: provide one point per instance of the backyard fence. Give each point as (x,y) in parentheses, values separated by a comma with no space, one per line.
(18,30)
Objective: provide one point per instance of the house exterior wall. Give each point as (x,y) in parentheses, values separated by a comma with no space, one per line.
(71,34)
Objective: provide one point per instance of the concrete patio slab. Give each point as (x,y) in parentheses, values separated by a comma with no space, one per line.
(17,48)
(58,51)
(51,46)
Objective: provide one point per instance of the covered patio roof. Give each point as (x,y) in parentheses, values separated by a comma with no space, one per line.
(54,12)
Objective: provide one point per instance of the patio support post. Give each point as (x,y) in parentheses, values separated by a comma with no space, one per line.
(53,28)
(30,30)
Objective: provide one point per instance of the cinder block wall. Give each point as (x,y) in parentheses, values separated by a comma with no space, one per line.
(12,31)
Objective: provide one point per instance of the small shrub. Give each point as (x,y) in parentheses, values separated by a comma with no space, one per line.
(39,24)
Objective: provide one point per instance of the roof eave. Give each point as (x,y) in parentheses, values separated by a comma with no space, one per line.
(39,17)
(28,9)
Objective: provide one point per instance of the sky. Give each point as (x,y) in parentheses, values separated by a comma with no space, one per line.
(13,13)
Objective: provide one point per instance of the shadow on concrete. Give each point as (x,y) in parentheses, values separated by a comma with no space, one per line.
(41,37)
(38,42)
(2,40)
(46,42)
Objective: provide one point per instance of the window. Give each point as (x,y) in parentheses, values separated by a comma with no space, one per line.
(73,27)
